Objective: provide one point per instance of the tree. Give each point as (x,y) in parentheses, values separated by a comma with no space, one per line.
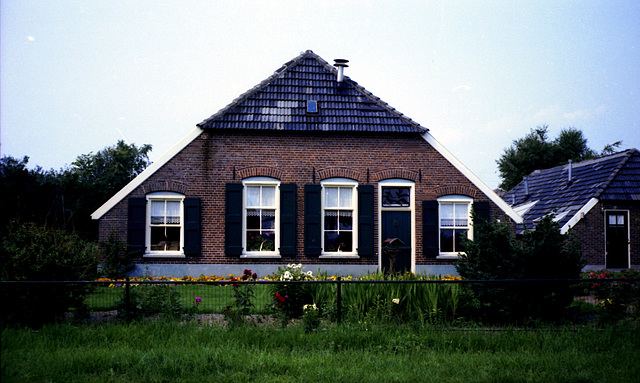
(110,169)
(536,151)
(65,199)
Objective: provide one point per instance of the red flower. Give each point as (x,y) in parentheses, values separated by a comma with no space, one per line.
(255,276)
(280,299)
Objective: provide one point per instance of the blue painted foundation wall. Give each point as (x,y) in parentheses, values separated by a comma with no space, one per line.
(177,271)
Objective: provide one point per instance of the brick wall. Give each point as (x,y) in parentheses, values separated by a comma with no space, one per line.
(214,158)
(590,231)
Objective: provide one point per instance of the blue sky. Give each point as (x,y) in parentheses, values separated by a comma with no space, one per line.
(76,76)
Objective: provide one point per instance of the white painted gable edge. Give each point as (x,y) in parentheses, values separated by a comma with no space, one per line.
(472,177)
(168,155)
(579,215)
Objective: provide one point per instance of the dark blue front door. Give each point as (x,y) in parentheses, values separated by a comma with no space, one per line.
(396,225)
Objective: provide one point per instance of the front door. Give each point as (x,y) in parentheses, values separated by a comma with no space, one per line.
(617,239)
(396,241)
(396,225)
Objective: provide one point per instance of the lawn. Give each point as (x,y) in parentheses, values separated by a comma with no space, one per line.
(163,351)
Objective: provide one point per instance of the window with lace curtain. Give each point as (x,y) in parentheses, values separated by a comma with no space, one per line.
(165,223)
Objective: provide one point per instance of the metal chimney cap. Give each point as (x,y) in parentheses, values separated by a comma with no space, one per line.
(341,62)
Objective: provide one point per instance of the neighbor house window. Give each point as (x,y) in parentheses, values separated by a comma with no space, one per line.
(454,223)
(339,216)
(261,216)
(165,234)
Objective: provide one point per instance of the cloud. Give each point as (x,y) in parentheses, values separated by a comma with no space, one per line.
(31,38)
(584,114)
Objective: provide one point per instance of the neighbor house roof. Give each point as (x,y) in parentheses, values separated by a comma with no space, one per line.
(552,191)
(280,103)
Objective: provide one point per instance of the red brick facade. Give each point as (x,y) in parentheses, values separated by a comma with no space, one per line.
(213,159)
(591,232)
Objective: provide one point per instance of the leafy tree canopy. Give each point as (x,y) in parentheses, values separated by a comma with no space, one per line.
(65,199)
(535,151)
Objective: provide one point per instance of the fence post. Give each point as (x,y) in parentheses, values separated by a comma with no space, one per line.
(127,300)
(339,300)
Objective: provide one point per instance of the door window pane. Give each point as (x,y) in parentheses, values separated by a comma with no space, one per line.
(396,196)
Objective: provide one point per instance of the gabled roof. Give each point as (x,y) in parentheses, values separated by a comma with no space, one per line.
(613,177)
(280,103)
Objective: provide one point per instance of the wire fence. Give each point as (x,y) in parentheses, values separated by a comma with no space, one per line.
(41,301)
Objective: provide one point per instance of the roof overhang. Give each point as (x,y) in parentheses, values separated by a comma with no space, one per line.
(168,155)
(579,215)
(472,177)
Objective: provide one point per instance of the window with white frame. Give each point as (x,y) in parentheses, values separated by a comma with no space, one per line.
(261,202)
(339,216)
(455,223)
(165,234)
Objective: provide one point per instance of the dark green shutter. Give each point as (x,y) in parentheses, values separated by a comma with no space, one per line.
(233,219)
(430,228)
(288,219)
(312,219)
(192,226)
(482,209)
(137,224)
(365,220)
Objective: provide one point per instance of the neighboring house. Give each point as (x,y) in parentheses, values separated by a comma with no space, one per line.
(307,167)
(597,200)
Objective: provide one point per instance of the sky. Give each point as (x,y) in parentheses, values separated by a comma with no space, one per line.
(77,76)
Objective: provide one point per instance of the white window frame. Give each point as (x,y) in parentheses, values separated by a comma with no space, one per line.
(412,208)
(164,196)
(261,181)
(342,183)
(457,199)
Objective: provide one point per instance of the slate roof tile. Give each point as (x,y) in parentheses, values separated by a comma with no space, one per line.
(280,102)
(612,177)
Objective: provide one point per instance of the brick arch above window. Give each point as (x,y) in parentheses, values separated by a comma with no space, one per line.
(395,173)
(455,189)
(324,174)
(260,171)
(170,186)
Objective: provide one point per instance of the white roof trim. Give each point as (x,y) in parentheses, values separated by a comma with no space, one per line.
(579,215)
(169,154)
(472,177)
(524,208)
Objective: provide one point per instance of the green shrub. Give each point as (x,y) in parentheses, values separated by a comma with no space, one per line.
(146,300)
(35,253)
(544,253)
(291,298)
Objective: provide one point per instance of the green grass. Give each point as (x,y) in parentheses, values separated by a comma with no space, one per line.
(214,298)
(169,351)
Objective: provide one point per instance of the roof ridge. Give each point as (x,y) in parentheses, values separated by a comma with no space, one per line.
(288,66)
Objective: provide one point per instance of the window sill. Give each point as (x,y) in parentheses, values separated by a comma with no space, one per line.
(261,255)
(164,255)
(447,256)
(339,256)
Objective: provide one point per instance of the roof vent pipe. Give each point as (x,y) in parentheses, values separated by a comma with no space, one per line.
(341,64)
(570,179)
(526,186)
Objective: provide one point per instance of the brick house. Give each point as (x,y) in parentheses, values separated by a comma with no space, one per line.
(307,167)
(597,200)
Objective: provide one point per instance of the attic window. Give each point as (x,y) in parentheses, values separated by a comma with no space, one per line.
(312,106)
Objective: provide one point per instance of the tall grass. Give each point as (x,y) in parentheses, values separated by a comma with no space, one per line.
(169,351)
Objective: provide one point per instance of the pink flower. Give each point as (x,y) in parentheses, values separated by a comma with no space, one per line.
(198,300)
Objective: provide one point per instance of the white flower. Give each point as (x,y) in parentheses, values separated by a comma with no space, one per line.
(309,274)
(286,276)
(309,307)
(396,300)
